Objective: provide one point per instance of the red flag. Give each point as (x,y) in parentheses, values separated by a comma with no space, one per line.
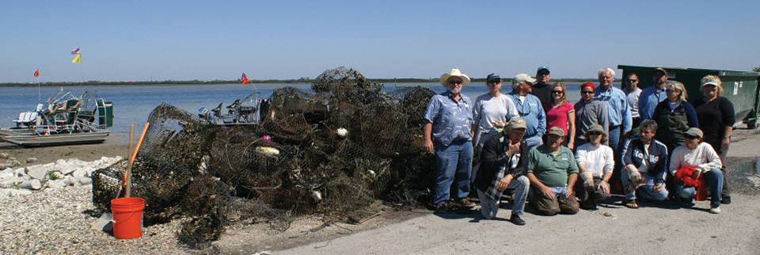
(245,79)
(37,73)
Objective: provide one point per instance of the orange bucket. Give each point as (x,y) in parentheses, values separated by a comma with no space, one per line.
(127,217)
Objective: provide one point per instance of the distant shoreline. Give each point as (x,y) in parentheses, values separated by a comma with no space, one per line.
(263,82)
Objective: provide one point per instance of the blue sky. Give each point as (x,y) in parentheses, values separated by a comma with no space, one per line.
(184,40)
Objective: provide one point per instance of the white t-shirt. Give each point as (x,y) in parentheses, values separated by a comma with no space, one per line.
(703,157)
(633,102)
(597,159)
(488,109)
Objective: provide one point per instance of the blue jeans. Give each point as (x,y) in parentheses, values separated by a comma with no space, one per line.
(714,180)
(534,141)
(614,138)
(489,207)
(647,191)
(453,165)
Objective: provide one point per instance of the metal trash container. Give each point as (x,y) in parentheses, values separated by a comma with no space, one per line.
(740,87)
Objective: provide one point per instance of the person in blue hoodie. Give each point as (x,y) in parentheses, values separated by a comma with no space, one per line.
(529,108)
(645,160)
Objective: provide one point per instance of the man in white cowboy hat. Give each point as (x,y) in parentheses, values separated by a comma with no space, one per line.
(529,108)
(448,134)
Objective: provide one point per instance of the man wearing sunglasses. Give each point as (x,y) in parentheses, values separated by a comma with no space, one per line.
(589,112)
(448,134)
(633,92)
(542,89)
(653,95)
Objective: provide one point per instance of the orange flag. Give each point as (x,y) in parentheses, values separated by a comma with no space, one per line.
(245,79)
(37,73)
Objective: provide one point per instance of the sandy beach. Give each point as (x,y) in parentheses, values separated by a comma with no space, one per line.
(113,146)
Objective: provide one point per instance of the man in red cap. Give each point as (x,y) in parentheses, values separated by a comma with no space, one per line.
(588,112)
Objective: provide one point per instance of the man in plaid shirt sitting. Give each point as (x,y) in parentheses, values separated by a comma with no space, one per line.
(504,161)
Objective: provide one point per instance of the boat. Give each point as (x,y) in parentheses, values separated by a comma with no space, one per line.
(245,111)
(64,119)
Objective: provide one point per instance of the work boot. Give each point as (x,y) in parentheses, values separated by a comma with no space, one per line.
(466,203)
(515,219)
(440,207)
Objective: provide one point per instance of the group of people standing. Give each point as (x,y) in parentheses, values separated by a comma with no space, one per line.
(562,156)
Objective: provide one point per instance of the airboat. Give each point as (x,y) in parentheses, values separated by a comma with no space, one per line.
(241,112)
(64,119)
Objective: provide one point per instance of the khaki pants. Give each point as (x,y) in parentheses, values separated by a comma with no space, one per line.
(553,205)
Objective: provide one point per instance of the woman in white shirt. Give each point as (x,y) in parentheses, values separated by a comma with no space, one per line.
(491,112)
(595,161)
(705,161)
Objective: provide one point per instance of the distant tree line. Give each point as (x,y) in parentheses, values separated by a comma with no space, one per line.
(270,81)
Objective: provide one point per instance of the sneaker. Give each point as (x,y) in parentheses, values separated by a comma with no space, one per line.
(726,199)
(715,210)
(466,203)
(440,207)
(515,219)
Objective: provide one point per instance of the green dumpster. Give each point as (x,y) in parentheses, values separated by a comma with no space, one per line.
(740,87)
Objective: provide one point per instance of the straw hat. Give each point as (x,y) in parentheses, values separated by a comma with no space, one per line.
(454,73)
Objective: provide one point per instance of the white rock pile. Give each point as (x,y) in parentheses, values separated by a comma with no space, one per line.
(62,173)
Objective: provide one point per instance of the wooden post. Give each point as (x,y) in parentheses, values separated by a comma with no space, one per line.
(132,158)
(128,173)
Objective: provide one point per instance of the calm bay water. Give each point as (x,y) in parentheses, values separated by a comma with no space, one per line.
(133,104)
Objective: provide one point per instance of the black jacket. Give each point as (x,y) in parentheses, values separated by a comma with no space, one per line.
(493,155)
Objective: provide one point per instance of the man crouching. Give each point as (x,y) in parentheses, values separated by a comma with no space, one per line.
(552,172)
(504,160)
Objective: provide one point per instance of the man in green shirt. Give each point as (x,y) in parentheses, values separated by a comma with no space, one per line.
(552,172)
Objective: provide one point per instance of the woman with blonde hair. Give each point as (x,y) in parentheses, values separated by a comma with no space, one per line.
(717,118)
(561,113)
(674,116)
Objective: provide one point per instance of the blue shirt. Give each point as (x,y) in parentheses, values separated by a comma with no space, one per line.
(617,101)
(451,119)
(649,99)
(532,111)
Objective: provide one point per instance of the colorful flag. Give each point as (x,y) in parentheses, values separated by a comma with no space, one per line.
(77,59)
(75,51)
(37,73)
(245,79)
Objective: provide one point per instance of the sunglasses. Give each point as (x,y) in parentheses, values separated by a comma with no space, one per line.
(587,92)
(633,80)
(558,91)
(455,82)
(672,90)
